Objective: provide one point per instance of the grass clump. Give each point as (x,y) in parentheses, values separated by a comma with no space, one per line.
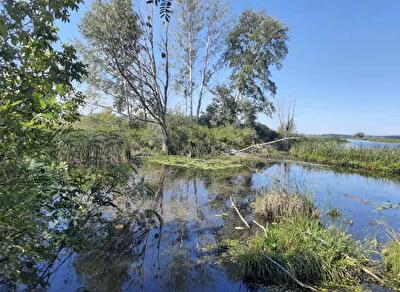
(217,163)
(391,259)
(278,204)
(312,253)
(379,160)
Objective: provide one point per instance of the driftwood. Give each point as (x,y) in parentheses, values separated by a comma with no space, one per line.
(259,225)
(240,215)
(267,143)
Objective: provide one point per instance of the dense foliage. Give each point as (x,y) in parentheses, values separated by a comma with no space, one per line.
(255,45)
(105,137)
(36,79)
(44,206)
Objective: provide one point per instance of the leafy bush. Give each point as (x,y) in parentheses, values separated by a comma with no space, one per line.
(104,137)
(190,138)
(265,134)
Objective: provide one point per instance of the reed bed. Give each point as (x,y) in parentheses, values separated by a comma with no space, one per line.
(379,160)
(86,147)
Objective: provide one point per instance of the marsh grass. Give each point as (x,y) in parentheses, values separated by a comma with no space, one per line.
(377,160)
(314,254)
(391,259)
(275,204)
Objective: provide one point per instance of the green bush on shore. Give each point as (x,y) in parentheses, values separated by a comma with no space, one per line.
(105,137)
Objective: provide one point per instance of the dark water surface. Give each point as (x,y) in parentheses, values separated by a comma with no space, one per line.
(174,250)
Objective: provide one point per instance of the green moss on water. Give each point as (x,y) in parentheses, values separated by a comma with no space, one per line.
(206,163)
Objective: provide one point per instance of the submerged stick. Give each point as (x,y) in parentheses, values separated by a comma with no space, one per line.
(259,225)
(379,280)
(240,215)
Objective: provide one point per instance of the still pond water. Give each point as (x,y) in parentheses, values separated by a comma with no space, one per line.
(370,144)
(194,208)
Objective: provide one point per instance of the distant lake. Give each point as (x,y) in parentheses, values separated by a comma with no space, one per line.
(370,144)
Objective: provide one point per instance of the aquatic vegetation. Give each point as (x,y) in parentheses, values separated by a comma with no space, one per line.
(215,163)
(379,160)
(309,251)
(334,213)
(388,205)
(273,205)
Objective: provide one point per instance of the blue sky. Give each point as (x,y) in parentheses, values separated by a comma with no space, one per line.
(343,66)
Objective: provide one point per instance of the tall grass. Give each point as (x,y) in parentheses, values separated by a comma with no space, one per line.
(391,259)
(381,160)
(274,205)
(312,253)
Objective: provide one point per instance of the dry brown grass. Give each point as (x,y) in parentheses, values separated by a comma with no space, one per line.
(273,205)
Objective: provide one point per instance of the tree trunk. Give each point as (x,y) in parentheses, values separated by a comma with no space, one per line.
(166,147)
(203,77)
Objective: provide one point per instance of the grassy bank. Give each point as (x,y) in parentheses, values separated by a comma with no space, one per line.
(380,160)
(296,247)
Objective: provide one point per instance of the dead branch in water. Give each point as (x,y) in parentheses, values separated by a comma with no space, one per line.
(267,143)
(240,215)
(259,225)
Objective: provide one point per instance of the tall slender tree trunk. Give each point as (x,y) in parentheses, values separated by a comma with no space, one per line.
(190,74)
(166,147)
(203,77)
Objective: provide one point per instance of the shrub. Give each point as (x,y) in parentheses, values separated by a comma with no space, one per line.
(190,138)
(265,134)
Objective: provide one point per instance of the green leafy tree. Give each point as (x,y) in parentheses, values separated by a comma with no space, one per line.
(226,109)
(200,36)
(255,45)
(36,99)
(36,79)
(359,135)
(133,53)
